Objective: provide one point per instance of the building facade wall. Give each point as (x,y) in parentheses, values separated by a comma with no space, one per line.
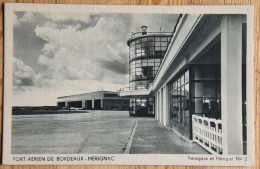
(115,104)
(85,96)
(96,100)
(196,37)
(178,59)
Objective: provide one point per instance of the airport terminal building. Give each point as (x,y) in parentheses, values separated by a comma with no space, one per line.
(100,100)
(193,80)
(146,52)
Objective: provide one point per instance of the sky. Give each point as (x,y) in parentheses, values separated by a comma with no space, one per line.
(60,54)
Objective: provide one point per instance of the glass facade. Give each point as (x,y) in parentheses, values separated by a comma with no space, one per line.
(206,90)
(148,46)
(145,56)
(195,91)
(142,72)
(179,93)
(142,106)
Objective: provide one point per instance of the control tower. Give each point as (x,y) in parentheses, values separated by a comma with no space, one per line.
(146,52)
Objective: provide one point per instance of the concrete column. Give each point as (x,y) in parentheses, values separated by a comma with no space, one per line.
(165,112)
(156,106)
(101,103)
(164,107)
(83,103)
(157,118)
(161,106)
(167,106)
(66,104)
(231,83)
(93,104)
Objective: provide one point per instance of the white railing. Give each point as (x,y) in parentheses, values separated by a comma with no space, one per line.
(207,132)
(127,89)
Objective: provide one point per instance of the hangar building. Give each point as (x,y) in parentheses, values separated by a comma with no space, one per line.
(106,100)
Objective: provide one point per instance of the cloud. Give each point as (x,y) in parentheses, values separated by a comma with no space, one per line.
(43,60)
(56,20)
(22,75)
(93,53)
(21,16)
(118,66)
(79,24)
(72,53)
(63,16)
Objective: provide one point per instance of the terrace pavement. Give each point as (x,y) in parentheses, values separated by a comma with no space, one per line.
(152,138)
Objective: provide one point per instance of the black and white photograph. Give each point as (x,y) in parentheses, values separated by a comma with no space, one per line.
(133,85)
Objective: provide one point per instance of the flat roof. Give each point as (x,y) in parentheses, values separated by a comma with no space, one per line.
(103,91)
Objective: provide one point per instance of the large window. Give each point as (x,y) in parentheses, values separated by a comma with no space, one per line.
(146,54)
(142,106)
(144,69)
(195,91)
(206,90)
(180,102)
(152,46)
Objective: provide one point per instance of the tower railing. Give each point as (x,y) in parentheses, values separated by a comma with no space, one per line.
(136,34)
(148,33)
(126,89)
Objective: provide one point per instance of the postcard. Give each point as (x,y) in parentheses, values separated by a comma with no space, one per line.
(128,85)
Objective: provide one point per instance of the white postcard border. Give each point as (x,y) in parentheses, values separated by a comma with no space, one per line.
(133,159)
